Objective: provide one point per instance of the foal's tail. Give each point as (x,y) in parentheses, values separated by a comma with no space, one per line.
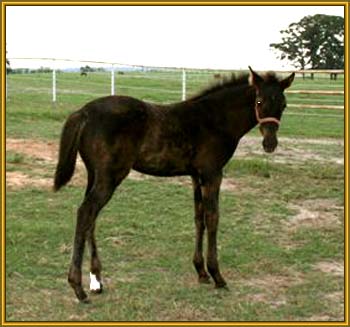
(68,151)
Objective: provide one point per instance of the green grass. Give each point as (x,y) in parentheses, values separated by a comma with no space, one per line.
(146,233)
(146,237)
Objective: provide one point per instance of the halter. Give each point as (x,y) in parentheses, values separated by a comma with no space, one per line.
(266,119)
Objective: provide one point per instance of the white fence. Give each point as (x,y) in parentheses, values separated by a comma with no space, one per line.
(176,83)
(63,65)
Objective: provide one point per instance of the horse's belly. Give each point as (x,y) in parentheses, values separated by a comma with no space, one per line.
(163,163)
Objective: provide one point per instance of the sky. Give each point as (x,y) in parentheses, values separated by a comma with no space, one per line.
(217,37)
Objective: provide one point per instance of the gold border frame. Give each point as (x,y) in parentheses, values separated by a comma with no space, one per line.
(346,5)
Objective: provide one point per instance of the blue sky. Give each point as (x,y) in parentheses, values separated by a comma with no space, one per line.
(227,37)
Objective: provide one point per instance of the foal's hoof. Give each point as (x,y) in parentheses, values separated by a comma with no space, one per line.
(81,295)
(85,300)
(97,290)
(222,285)
(204,280)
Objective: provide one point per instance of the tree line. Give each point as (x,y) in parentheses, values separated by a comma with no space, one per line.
(315,42)
(10,70)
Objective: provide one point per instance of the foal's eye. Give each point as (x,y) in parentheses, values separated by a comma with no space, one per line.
(259,102)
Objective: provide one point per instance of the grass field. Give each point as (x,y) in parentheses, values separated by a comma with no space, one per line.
(281,234)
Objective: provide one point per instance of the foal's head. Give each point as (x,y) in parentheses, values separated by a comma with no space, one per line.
(269,105)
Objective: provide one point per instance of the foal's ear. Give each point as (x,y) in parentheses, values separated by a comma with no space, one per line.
(287,82)
(254,78)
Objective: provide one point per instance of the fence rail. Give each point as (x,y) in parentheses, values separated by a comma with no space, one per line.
(177,82)
(333,73)
(314,106)
(321,92)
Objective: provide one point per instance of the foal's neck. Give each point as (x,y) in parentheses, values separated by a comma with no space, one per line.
(234,107)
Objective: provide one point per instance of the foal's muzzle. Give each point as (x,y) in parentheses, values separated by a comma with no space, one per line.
(268,127)
(270,141)
(270,144)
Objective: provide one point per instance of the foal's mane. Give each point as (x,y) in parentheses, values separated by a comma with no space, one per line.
(232,82)
(227,82)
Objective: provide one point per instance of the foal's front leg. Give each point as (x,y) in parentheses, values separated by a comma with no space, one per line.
(198,259)
(210,194)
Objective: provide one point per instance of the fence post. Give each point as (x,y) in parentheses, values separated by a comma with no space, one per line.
(54,83)
(183,84)
(112,80)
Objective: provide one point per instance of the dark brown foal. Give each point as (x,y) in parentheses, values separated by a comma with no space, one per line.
(196,137)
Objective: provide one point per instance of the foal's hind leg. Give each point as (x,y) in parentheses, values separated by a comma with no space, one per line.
(96,285)
(210,193)
(95,263)
(95,200)
(198,259)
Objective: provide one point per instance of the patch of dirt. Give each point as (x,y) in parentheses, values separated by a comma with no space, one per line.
(184,311)
(271,283)
(134,175)
(330,267)
(335,311)
(271,301)
(20,180)
(317,213)
(271,289)
(336,297)
(293,150)
(319,318)
(229,184)
(312,141)
(46,151)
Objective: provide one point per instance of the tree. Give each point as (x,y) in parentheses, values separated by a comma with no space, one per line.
(8,65)
(315,42)
(85,70)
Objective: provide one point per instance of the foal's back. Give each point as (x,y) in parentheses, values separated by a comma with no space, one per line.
(149,138)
